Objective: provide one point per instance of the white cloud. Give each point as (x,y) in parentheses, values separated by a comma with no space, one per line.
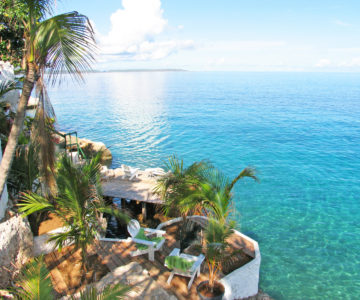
(246,45)
(355,62)
(323,63)
(341,23)
(135,31)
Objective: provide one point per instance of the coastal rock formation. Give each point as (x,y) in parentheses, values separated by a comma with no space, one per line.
(16,247)
(91,148)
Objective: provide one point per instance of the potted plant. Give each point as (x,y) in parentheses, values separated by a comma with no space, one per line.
(218,252)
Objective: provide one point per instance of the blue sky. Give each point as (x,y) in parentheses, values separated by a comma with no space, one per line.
(233,35)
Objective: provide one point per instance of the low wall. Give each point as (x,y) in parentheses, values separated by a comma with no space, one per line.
(41,244)
(244,282)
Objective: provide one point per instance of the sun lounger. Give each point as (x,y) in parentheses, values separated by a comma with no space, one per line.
(130,172)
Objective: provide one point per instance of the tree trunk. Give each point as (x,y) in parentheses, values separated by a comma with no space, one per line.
(16,128)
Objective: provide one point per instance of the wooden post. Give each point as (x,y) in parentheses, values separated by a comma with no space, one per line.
(122,203)
(143,210)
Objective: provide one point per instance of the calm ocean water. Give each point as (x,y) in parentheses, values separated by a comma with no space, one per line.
(300,130)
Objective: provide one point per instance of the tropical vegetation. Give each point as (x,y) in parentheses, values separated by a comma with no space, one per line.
(34,283)
(78,203)
(52,46)
(203,189)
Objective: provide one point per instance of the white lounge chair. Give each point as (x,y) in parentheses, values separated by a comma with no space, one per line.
(191,269)
(144,242)
(130,172)
(155,172)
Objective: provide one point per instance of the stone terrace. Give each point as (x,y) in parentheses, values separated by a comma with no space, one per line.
(115,254)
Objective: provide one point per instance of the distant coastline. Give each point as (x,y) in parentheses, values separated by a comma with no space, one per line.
(139,70)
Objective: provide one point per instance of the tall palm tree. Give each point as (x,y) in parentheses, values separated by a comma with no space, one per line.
(60,44)
(78,204)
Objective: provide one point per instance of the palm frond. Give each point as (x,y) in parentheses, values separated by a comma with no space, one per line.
(32,202)
(34,281)
(7,86)
(40,8)
(247,172)
(65,43)
(122,216)
(117,291)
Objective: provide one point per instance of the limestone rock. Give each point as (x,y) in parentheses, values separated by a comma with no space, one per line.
(16,247)
(89,147)
(92,148)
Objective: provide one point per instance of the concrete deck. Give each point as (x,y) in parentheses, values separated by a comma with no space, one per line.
(139,189)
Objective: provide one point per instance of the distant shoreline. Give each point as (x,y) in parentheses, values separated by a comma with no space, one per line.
(139,70)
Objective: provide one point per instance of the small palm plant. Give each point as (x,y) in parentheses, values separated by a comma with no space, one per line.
(178,184)
(214,192)
(34,283)
(218,251)
(78,204)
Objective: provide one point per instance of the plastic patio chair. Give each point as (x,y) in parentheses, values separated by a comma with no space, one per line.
(144,242)
(193,269)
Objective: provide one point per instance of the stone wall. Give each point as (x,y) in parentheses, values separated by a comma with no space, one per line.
(16,247)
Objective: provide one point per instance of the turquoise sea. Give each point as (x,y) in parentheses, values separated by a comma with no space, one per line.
(300,130)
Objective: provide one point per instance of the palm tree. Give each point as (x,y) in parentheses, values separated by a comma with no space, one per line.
(78,203)
(63,43)
(179,183)
(217,249)
(214,192)
(34,283)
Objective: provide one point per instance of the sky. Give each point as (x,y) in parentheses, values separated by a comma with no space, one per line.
(227,35)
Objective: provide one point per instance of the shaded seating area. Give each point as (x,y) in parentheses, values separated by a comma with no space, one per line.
(147,240)
(184,265)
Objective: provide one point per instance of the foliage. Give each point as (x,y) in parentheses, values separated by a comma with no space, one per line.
(12,30)
(117,291)
(203,189)
(78,203)
(25,171)
(178,184)
(34,281)
(52,45)
(199,189)
(214,191)
(217,249)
